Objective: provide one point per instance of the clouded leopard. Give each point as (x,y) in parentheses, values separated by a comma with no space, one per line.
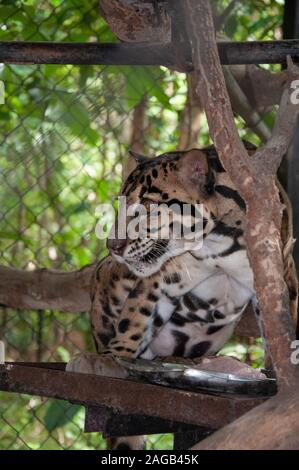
(154,296)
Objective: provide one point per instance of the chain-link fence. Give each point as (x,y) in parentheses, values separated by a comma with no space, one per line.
(65,131)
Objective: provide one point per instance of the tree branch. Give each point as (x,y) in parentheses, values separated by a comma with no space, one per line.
(274,425)
(43,289)
(137,140)
(269,156)
(190,122)
(242,106)
(135,21)
(221,19)
(256,186)
(67,292)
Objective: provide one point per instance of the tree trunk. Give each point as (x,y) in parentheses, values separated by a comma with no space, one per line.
(137,136)
(254,179)
(191,117)
(274,425)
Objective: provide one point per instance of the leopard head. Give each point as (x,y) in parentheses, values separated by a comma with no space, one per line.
(169,210)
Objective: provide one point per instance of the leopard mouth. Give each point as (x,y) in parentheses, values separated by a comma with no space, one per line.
(158,249)
(145,264)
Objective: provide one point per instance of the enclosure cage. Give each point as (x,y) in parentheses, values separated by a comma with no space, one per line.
(65,133)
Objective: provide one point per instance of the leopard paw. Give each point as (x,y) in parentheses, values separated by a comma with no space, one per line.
(91,363)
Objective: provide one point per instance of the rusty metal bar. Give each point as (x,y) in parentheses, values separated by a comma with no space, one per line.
(85,53)
(185,440)
(126,397)
(253,52)
(115,424)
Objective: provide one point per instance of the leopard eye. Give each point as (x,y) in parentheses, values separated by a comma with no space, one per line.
(149,202)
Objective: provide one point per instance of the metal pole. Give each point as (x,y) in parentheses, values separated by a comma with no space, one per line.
(255,52)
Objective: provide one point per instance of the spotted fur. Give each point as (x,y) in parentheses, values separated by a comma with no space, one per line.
(158,297)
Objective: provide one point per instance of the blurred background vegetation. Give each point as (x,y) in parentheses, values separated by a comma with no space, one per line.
(65,131)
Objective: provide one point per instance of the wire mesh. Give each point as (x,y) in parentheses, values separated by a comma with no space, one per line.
(65,131)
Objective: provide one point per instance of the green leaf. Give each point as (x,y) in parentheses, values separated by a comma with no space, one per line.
(59,413)
(231,26)
(6,235)
(73,113)
(141,81)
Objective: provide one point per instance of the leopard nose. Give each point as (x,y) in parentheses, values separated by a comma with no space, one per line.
(116,246)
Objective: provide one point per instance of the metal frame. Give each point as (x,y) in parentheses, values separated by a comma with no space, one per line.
(122,407)
(231,53)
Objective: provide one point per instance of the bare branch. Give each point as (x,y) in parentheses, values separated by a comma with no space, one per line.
(269,156)
(43,289)
(135,21)
(191,117)
(263,88)
(274,425)
(137,136)
(257,188)
(242,106)
(222,19)
(67,292)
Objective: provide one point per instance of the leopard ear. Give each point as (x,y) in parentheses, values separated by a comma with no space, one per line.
(131,162)
(194,170)
(138,157)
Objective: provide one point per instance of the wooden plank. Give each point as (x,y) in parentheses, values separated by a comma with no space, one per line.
(117,424)
(126,397)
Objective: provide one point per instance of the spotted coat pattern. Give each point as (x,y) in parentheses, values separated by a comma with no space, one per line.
(159,298)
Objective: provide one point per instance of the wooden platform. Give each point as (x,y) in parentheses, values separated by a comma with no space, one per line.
(122,407)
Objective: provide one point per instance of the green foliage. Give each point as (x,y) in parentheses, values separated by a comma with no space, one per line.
(59,412)
(255,20)
(250,351)
(64,131)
